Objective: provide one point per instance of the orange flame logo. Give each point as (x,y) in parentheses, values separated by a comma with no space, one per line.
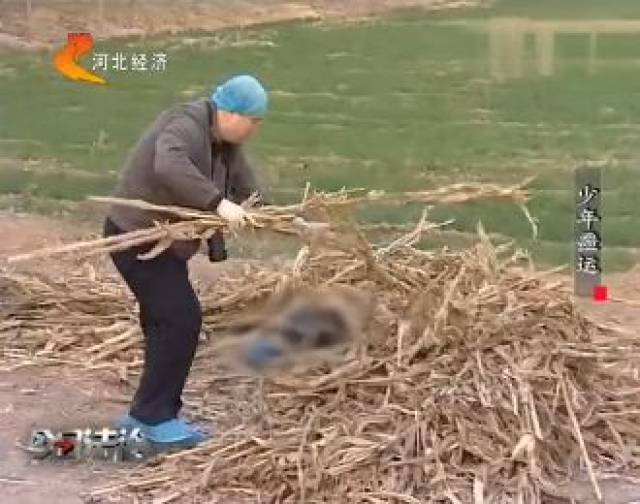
(66,60)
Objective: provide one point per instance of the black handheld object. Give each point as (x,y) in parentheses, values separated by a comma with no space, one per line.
(217,250)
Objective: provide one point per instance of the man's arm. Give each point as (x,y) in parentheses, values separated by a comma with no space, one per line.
(176,171)
(244,181)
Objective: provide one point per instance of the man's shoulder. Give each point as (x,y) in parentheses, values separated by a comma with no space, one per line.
(197,110)
(189,117)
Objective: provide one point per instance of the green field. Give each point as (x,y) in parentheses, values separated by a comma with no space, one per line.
(407,102)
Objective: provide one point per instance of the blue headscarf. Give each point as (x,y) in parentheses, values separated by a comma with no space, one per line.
(242,94)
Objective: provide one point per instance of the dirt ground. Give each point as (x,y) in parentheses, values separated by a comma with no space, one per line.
(46,24)
(58,398)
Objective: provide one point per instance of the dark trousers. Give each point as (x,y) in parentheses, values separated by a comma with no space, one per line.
(170,318)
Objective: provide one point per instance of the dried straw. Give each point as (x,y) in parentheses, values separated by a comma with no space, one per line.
(477,381)
(194,224)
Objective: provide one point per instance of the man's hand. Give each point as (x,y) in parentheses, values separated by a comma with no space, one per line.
(235,215)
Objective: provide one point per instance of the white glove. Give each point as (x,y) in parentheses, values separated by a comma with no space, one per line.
(235,215)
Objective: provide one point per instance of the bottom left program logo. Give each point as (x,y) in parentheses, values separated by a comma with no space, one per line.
(79,444)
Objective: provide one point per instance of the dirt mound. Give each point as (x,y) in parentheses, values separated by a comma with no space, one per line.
(47,25)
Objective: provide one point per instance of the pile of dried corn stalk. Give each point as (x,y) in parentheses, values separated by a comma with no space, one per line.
(477,381)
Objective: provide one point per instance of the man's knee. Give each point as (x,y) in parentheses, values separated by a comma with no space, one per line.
(188,317)
(181,314)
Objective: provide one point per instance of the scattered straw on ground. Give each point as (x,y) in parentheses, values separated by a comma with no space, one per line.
(477,381)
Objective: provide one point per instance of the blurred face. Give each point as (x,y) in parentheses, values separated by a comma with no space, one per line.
(237,128)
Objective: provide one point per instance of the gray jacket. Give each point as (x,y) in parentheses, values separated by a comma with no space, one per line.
(177,162)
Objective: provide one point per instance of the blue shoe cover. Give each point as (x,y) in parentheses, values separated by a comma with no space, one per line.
(174,431)
(171,431)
